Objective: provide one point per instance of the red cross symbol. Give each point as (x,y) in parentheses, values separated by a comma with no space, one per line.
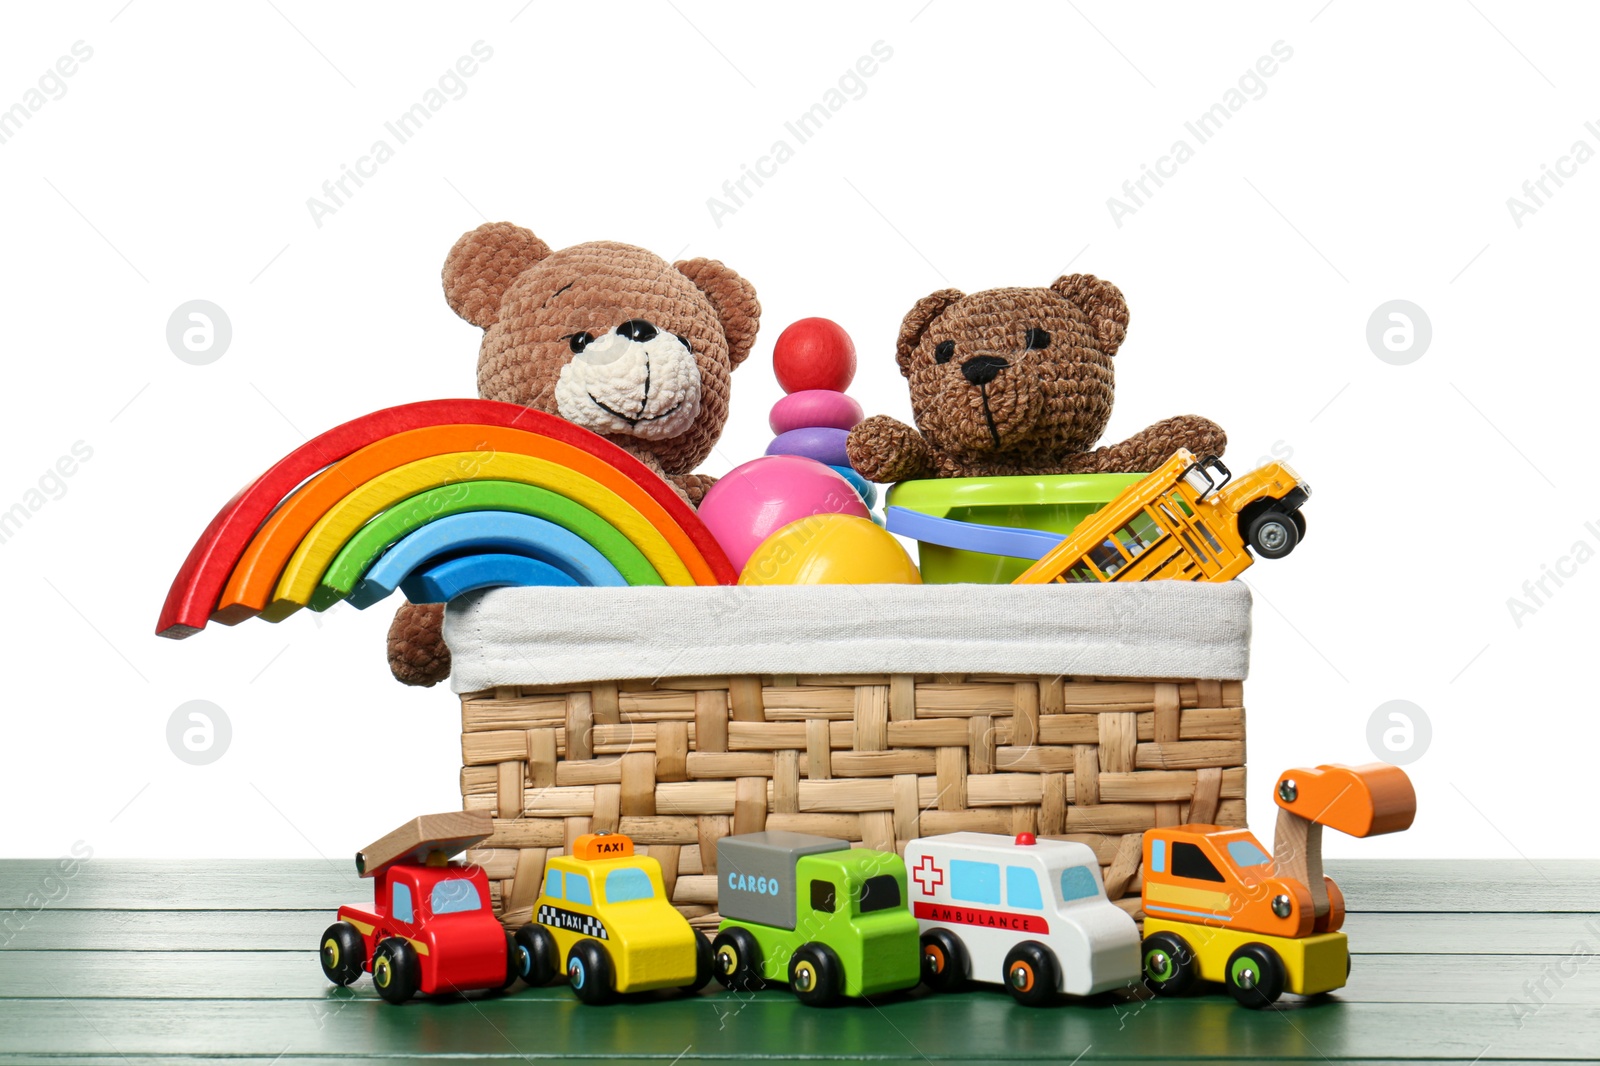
(927,876)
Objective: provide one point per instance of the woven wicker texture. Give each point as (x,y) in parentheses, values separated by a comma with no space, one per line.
(1016,381)
(679,764)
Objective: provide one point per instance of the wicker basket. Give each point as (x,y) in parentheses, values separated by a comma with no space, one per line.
(679,763)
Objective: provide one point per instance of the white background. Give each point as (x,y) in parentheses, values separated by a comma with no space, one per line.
(1375,166)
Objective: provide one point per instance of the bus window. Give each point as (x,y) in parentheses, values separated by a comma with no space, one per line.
(1182,505)
(1140,532)
(1194,549)
(974,882)
(1107,556)
(1206,533)
(1081,572)
(1022,888)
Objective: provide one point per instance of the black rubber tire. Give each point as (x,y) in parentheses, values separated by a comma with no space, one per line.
(1255,976)
(395,972)
(1168,964)
(702,964)
(590,974)
(736,960)
(944,961)
(344,953)
(535,955)
(511,963)
(1272,534)
(1030,974)
(815,974)
(1299,520)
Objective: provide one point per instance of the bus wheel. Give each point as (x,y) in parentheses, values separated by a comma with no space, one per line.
(1272,534)
(1031,974)
(814,975)
(1255,976)
(536,955)
(344,956)
(736,960)
(1169,964)
(589,972)
(394,970)
(944,961)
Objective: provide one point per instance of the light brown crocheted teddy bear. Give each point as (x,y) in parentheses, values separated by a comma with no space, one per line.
(1016,381)
(606,335)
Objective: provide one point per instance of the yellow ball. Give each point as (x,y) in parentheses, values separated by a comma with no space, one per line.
(830,549)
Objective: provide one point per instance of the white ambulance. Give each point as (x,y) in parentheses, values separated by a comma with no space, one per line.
(1030,914)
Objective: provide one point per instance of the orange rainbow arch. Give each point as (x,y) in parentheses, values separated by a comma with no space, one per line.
(279,545)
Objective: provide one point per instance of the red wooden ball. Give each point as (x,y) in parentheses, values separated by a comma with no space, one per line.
(814,353)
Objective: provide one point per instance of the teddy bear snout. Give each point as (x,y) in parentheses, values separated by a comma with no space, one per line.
(633,381)
(982,369)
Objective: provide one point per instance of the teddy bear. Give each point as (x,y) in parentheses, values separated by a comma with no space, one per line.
(1016,381)
(606,335)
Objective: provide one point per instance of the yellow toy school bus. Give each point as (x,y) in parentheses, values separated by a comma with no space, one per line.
(1189,520)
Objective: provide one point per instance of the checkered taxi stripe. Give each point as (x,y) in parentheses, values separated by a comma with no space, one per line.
(582,924)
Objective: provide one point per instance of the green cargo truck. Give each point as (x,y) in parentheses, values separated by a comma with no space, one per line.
(828,919)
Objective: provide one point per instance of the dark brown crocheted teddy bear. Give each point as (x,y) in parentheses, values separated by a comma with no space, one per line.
(606,335)
(1016,381)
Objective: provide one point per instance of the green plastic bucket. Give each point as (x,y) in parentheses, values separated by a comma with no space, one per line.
(1053,502)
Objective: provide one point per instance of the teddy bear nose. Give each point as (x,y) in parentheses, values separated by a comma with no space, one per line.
(637,329)
(982,369)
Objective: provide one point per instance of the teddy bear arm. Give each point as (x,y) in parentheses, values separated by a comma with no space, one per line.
(693,486)
(417,651)
(1152,446)
(884,450)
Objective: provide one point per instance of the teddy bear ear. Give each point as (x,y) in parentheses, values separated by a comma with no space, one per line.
(734,299)
(1102,302)
(917,321)
(483,264)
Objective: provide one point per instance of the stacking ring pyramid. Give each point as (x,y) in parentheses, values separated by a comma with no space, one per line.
(439,498)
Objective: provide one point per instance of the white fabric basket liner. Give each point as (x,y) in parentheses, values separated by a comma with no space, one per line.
(554,636)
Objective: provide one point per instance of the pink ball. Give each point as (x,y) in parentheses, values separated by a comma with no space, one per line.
(755,500)
(814,408)
(814,353)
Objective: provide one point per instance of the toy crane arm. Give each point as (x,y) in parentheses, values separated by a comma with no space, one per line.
(1362,801)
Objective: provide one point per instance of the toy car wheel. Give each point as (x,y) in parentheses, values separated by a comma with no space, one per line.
(1030,974)
(1169,964)
(702,964)
(394,970)
(535,954)
(1255,976)
(815,975)
(944,961)
(589,973)
(1272,534)
(736,960)
(511,963)
(1299,520)
(344,956)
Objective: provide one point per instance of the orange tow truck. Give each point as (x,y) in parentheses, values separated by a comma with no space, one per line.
(1219,908)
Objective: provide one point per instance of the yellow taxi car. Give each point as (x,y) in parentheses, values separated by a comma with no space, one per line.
(604,912)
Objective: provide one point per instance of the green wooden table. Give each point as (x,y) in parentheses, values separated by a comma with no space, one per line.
(136,961)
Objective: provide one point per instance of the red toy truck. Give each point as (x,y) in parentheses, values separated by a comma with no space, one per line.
(430,928)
